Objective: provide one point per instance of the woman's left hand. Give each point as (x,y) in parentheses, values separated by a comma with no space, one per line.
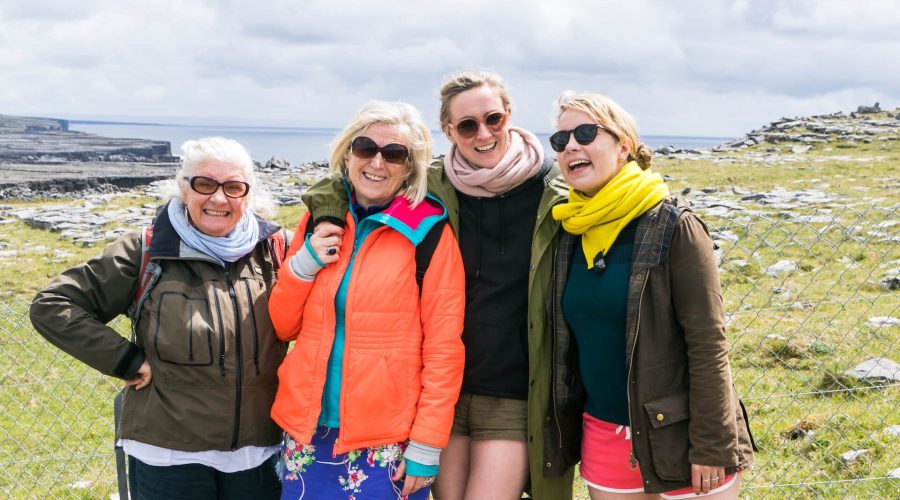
(412,484)
(706,477)
(142,378)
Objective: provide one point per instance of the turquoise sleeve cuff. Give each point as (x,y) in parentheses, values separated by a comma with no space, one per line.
(416,469)
(310,250)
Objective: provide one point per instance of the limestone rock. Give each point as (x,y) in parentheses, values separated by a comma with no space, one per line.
(876,369)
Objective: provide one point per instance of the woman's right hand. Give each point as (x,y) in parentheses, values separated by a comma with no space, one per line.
(143,377)
(326,241)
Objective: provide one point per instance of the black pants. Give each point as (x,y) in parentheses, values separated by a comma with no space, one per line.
(201,482)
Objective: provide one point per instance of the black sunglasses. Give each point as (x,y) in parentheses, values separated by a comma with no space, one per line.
(469,127)
(584,135)
(206,185)
(365,148)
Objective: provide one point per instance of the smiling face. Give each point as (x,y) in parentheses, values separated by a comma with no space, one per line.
(488,146)
(375,181)
(215,214)
(587,168)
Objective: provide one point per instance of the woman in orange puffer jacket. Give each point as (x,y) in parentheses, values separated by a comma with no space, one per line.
(366,395)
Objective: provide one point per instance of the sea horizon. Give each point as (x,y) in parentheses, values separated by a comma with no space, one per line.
(305,144)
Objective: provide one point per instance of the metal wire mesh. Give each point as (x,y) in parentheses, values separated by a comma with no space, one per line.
(808,297)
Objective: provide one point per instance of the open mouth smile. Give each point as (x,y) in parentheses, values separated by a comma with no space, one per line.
(575,165)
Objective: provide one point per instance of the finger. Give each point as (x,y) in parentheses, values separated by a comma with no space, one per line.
(704,485)
(411,485)
(401,471)
(695,481)
(325,229)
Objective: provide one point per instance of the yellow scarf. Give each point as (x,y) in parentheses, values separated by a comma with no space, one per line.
(601,218)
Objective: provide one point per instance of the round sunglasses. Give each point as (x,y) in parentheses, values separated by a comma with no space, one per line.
(207,185)
(584,135)
(469,127)
(365,148)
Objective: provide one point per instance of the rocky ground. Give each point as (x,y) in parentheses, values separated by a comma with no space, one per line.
(788,140)
(40,157)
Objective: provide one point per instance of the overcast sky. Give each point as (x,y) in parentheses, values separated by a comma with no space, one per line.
(701,67)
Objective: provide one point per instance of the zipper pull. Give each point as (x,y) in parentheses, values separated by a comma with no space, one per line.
(632,463)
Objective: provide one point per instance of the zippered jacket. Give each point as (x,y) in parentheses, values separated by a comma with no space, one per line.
(551,470)
(682,404)
(403,355)
(204,329)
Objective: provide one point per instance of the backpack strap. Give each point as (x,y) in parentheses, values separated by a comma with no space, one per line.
(425,250)
(278,248)
(147,275)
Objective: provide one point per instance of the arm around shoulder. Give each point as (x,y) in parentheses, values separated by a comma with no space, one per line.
(327,199)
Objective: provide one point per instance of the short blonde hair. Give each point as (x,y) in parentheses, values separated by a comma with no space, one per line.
(467,80)
(610,116)
(406,118)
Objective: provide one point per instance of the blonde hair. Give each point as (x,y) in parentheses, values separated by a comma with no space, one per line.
(467,80)
(409,121)
(611,117)
(196,152)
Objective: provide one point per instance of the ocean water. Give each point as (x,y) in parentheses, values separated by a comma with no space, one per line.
(299,144)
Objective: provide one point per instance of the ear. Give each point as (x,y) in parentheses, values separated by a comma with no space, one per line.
(449,135)
(623,151)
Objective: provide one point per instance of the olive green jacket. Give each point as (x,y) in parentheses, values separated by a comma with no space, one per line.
(204,330)
(551,479)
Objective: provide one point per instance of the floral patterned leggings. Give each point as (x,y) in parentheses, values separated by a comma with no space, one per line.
(312,473)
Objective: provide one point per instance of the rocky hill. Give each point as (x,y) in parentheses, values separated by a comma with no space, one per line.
(799,134)
(39,155)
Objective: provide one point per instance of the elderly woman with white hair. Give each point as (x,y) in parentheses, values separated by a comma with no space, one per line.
(366,395)
(200,368)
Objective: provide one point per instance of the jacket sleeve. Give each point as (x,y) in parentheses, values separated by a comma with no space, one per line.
(699,308)
(442,306)
(72,311)
(327,199)
(289,294)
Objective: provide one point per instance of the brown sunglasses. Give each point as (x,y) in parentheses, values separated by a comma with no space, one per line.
(469,127)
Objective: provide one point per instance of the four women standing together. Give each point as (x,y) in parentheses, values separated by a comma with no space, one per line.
(491,354)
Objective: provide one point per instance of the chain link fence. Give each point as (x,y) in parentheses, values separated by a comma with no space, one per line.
(813,320)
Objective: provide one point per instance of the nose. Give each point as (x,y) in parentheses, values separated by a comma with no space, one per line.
(572,145)
(219,195)
(483,132)
(377,160)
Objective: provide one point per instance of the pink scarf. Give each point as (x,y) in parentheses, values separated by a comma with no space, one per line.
(521,162)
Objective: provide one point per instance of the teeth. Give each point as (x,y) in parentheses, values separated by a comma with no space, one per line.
(215,213)
(373,177)
(484,149)
(577,163)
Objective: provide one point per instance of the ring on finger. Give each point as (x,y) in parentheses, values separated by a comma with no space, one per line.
(331,250)
(429,480)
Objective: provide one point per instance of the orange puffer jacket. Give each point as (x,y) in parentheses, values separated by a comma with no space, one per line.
(403,356)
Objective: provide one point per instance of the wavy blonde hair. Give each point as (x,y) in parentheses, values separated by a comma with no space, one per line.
(409,122)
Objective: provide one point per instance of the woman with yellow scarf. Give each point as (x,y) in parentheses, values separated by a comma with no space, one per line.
(637,290)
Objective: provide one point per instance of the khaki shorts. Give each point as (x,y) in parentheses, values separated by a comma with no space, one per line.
(489,417)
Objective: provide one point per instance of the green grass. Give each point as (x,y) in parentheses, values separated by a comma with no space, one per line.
(792,335)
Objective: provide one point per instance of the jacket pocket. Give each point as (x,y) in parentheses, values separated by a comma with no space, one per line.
(669,417)
(187,337)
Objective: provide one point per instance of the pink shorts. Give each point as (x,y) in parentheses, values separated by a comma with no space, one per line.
(606,461)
